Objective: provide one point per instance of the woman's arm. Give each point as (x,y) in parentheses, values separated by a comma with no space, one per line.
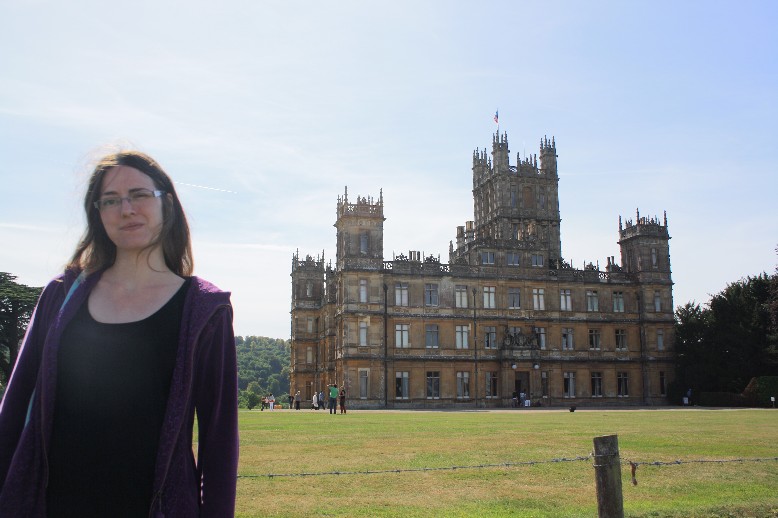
(216,402)
(16,401)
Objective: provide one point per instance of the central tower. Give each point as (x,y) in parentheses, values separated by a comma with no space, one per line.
(515,208)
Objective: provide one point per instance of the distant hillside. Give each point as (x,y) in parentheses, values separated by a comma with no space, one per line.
(264,361)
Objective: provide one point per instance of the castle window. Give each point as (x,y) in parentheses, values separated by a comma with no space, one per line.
(654,258)
(596,384)
(565,300)
(363,290)
(662,384)
(514,198)
(529,199)
(618,302)
(622,379)
(594,339)
(537,260)
(309,355)
(401,294)
(430,294)
(538,299)
(544,383)
(363,242)
(491,385)
(567,339)
(363,333)
(569,384)
(431,338)
(460,296)
(364,378)
(592,301)
(310,324)
(463,385)
(540,336)
(621,339)
(542,200)
(309,289)
(657,301)
(660,340)
(462,337)
(514,298)
(512,259)
(401,389)
(489,292)
(487,257)
(490,337)
(401,335)
(433,384)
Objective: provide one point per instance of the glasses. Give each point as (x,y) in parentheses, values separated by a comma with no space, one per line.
(136,199)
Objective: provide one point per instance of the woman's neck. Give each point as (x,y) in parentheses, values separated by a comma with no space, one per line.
(138,269)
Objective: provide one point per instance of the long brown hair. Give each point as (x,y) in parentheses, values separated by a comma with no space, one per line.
(96,250)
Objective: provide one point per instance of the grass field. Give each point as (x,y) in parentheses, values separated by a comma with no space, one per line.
(296,442)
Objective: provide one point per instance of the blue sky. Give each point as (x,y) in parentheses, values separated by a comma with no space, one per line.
(262,112)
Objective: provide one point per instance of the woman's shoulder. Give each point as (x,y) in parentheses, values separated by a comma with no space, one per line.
(205,299)
(205,287)
(59,285)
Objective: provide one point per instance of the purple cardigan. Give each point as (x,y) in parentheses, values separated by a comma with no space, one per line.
(204,381)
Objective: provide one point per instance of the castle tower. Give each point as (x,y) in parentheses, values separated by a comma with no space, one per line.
(308,297)
(645,248)
(515,208)
(360,233)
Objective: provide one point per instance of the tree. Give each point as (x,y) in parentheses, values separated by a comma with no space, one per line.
(252,400)
(17,303)
(696,365)
(263,367)
(741,327)
(721,347)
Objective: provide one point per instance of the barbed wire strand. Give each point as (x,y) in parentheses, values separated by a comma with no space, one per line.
(411,470)
(633,465)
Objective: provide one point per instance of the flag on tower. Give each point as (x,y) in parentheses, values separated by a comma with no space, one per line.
(496,117)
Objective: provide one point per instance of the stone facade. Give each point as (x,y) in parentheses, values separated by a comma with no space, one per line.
(505,316)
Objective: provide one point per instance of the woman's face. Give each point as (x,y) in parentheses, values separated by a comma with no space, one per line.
(135,221)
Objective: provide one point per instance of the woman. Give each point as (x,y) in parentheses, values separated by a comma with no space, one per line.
(342,399)
(122,350)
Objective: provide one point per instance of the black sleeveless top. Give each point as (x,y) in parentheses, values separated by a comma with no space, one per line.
(113,382)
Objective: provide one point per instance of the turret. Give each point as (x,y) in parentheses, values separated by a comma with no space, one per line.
(360,232)
(500,152)
(548,157)
(645,247)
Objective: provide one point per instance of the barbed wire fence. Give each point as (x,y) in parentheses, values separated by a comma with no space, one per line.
(633,466)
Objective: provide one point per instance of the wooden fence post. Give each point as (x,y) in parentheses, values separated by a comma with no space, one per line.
(607,477)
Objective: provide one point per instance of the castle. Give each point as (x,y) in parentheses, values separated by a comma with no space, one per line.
(506,322)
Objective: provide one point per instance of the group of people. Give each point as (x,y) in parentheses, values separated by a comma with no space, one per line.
(268,401)
(520,399)
(333,397)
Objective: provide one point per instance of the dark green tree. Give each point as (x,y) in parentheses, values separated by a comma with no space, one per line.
(741,329)
(721,347)
(17,302)
(697,366)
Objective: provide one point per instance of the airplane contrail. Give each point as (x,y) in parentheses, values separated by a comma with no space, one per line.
(205,187)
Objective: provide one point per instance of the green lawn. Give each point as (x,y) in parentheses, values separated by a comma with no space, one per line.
(295,442)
